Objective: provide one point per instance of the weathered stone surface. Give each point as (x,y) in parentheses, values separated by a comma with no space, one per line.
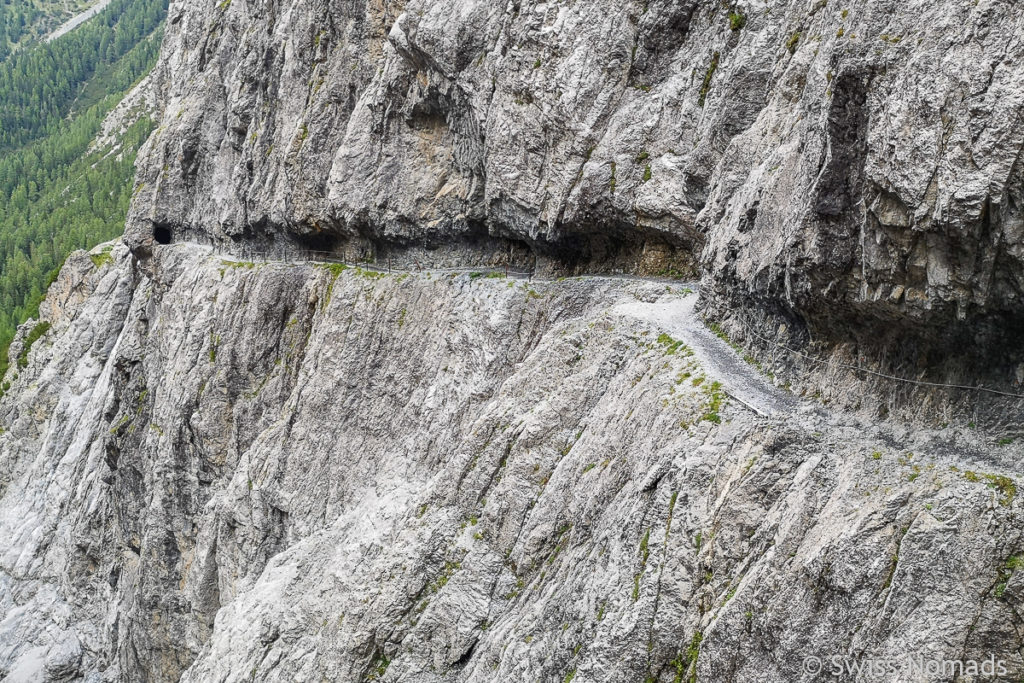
(220,470)
(214,470)
(853,169)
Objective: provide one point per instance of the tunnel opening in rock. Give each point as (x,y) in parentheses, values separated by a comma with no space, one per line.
(162,234)
(634,251)
(319,242)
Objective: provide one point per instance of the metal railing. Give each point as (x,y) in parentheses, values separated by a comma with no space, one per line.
(292,254)
(248,253)
(874,373)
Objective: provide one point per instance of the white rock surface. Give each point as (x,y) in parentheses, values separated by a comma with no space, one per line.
(213,470)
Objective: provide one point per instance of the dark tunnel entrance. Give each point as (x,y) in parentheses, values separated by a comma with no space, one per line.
(162,235)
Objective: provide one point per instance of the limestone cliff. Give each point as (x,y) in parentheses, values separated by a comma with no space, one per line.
(224,467)
(220,470)
(849,171)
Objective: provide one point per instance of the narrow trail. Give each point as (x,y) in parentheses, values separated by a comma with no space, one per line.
(77,20)
(740,379)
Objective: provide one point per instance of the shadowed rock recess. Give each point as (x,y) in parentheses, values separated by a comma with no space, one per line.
(217,466)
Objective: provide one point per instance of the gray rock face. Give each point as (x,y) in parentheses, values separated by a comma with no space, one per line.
(851,170)
(219,470)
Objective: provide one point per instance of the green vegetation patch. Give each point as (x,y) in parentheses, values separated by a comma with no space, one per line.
(335,269)
(724,336)
(378,668)
(672,345)
(59,193)
(101,259)
(715,399)
(31,338)
(490,275)
(1005,485)
(793,41)
(688,658)
(645,553)
(708,75)
(370,274)
(1012,564)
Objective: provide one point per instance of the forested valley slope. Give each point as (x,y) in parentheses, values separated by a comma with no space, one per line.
(62,188)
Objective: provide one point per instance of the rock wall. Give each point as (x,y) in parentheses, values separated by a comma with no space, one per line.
(853,170)
(220,470)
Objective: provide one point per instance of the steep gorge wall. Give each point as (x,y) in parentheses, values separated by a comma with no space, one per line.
(214,469)
(851,171)
(219,470)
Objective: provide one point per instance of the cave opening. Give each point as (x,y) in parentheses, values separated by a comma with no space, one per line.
(162,235)
(319,242)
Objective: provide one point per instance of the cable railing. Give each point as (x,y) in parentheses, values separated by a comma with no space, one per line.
(874,373)
(290,254)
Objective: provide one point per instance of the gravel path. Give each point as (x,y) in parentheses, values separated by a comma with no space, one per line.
(740,379)
(77,20)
